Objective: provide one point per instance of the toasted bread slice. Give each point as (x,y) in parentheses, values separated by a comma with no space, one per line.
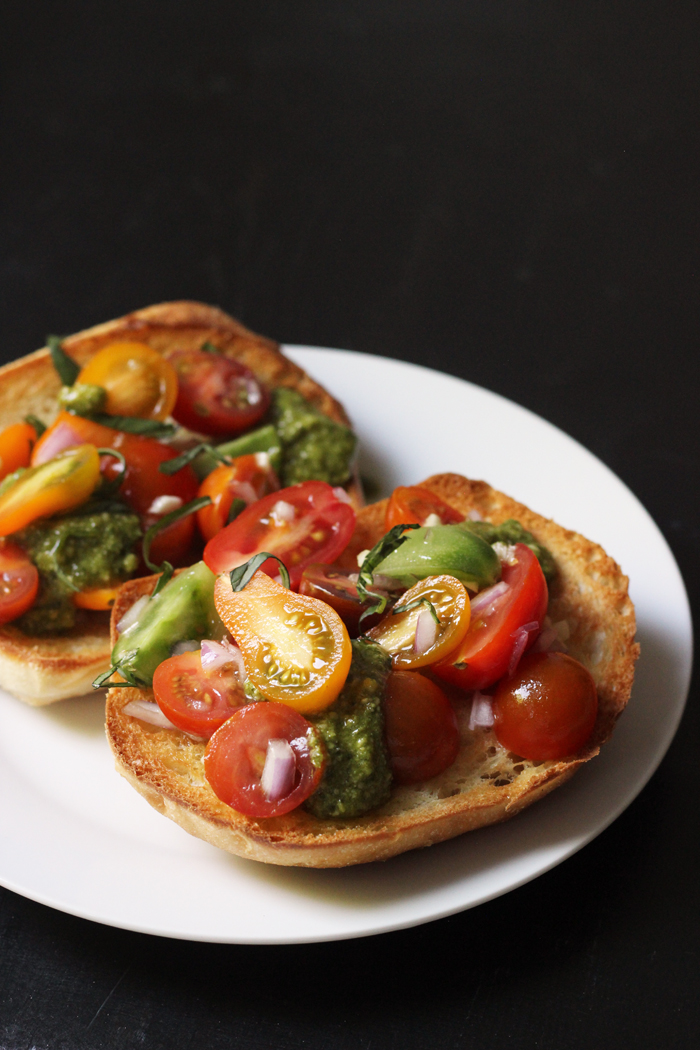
(485,785)
(43,670)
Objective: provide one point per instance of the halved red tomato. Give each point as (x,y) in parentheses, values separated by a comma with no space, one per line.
(19,582)
(299,525)
(333,587)
(421,729)
(412,505)
(195,700)
(235,759)
(489,645)
(247,479)
(216,395)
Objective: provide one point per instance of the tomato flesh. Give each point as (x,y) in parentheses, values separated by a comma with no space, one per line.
(413,638)
(547,709)
(138,380)
(487,649)
(19,582)
(301,524)
(195,700)
(421,729)
(216,395)
(333,587)
(296,650)
(248,478)
(235,758)
(412,505)
(60,484)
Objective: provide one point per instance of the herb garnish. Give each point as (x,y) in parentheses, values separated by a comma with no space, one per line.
(68,369)
(171,466)
(166,570)
(381,550)
(243,574)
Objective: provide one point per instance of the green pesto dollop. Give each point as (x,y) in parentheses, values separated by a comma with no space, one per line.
(314,447)
(357,777)
(510,532)
(76,553)
(82,398)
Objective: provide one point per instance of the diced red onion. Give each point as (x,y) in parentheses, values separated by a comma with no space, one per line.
(189,646)
(340,493)
(522,637)
(283,511)
(432,520)
(262,460)
(545,640)
(474,515)
(385,583)
(426,631)
(217,654)
(482,711)
(277,778)
(243,490)
(164,505)
(485,599)
(131,615)
(148,712)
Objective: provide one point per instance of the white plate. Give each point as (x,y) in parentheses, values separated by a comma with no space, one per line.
(75,836)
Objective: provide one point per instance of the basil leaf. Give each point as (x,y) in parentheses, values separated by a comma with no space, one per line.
(102,680)
(134,424)
(414,605)
(68,370)
(235,509)
(209,348)
(110,487)
(243,574)
(171,466)
(35,422)
(381,550)
(166,570)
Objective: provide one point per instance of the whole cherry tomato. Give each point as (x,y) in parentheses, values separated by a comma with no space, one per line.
(421,729)
(547,709)
(19,582)
(411,504)
(195,700)
(247,479)
(235,759)
(216,395)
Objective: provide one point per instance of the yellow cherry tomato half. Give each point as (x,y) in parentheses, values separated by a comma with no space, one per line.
(138,380)
(58,485)
(413,638)
(99,598)
(296,649)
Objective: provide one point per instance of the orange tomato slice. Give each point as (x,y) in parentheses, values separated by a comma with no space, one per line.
(138,380)
(16,443)
(296,649)
(58,485)
(413,645)
(99,598)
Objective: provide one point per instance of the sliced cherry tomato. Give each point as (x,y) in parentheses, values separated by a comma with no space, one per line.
(247,479)
(195,700)
(16,443)
(547,709)
(421,729)
(98,598)
(19,582)
(235,758)
(333,587)
(58,485)
(413,638)
(299,525)
(487,648)
(216,395)
(138,380)
(411,504)
(296,650)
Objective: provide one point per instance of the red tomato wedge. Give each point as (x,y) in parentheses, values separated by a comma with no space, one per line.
(421,729)
(19,582)
(490,643)
(411,505)
(299,525)
(235,759)
(216,395)
(195,700)
(333,587)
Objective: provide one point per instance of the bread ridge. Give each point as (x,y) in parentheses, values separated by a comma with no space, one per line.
(484,786)
(43,670)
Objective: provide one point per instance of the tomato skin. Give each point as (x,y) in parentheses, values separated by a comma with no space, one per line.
(181,688)
(421,728)
(320,531)
(16,443)
(98,598)
(333,587)
(138,380)
(216,394)
(488,645)
(547,709)
(247,478)
(235,756)
(396,632)
(412,504)
(19,582)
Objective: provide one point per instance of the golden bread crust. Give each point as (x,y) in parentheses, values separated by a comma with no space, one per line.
(44,670)
(485,784)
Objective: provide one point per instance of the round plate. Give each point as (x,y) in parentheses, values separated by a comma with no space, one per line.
(75,836)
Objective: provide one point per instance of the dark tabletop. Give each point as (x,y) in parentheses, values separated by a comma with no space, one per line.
(506,190)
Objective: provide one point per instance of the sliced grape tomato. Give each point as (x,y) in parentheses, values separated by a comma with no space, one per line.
(335,588)
(412,504)
(60,484)
(137,378)
(413,637)
(216,394)
(195,700)
(19,582)
(244,481)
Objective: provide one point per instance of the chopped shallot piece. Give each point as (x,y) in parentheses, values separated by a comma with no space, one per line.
(283,511)
(149,712)
(426,631)
(164,505)
(474,515)
(340,493)
(262,460)
(481,712)
(189,646)
(131,615)
(245,491)
(277,778)
(522,637)
(432,520)
(217,654)
(485,599)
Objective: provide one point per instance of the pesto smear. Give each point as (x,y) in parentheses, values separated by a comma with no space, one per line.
(357,776)
(76,552)
(314,447)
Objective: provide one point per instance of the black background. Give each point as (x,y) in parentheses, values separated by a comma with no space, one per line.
(506,190)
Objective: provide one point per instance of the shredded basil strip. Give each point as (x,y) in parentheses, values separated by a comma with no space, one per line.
(235,509)
(414,605)
(381,550)
(166,570)
(102,680)
(111,486)
(68,370)
(35,422)
(171,466)
(209,348)
(133,424)
(243,574)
